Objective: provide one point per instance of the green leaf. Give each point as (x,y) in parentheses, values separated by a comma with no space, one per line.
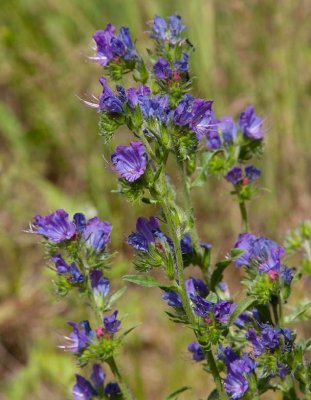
(299,313)
(143,280)
(213,395)
(218,271)
(115,297)
(241,307)
(212,297)
(235,253)
(201,177)
(174,395)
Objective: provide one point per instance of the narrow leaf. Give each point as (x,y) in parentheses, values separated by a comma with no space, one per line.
(143,280)
(241,307)
(174,395)
(218,271)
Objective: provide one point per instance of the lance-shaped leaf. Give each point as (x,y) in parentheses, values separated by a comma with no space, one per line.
(240,308)
(146,281)
(174,395)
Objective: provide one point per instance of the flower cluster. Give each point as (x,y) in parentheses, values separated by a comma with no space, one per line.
(110,46)
(242,340)
(86,390)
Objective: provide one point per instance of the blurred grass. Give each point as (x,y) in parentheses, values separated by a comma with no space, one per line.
(51,156)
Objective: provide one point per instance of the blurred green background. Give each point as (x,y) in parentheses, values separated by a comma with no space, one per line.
(51,156)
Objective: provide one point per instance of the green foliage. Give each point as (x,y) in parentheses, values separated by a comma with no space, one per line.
(108,126)
(100,349)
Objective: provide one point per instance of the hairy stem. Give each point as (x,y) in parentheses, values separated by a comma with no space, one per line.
(181,281)
(127,395)
(244,216)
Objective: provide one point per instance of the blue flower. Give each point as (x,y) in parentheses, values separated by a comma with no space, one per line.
(287,275)
(80,222)
(270,337)
(196,350)
(252,173)
(97,234)
(159,28)
(54,227)
(103,39)
(201,307)
(245,243)
(183,112)
(175,28)
(112,389)
(163,31)
(111,323)
(228,129)
(222,310)
(156,107)
(196,286)
(109,45)
(98,377)
(83,390)
(148,231)
(162,69)
(80,337)
(182,65)
(62,268)
(130,161)
(236,385)
(186,244)
(108,101)
(134,95)
(235,175)
(173,298)
(256,341)
(251,124)
(98,282)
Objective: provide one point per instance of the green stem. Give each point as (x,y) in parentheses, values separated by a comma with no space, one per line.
(244,216)
(127,395)
(182,287)
(281,316)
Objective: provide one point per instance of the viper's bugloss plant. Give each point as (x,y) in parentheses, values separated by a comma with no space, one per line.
(246,343)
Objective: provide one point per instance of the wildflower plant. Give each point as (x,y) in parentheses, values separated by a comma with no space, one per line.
(245,343)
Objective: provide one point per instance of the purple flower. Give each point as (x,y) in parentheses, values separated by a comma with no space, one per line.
(244,242)
(111,323)
(162,68)
(170,31)
(175,28)
(103,39)
(196,286)
(256,341)
(97,234)
(182,65)
(228,129)
(201,307)
(186,244)
(270,337)
(197,351)
(159,28)
(283,370)
(134,95)
(222,310)
(235,175)
(287,275)
(98,377)
(266,254)
(54,227)
(108,45)
(112,389)
(80,222)
(252,173)
(148,230)
(82,390)
(183,112)
(251,124)
(235,385)
(242,319)
(107,100)
(62,268)
(98,282)
(79,338)
(130,161)
(202,117)
(173,298)
(156,107)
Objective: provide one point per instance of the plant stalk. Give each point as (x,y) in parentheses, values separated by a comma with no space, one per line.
(123,386)
(244,216)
